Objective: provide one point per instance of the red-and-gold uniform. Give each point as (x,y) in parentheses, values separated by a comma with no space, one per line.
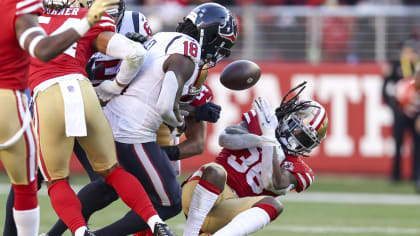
(19,159)
(74,59)
(51,117)
(244,186)
(244,166)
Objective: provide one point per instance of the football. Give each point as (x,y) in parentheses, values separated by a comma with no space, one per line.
(240,75)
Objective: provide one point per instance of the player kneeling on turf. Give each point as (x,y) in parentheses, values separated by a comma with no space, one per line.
(235,194)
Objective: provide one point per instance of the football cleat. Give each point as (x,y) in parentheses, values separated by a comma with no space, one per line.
(44,234)
(162,229)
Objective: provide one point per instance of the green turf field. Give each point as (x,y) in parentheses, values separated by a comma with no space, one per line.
(334,206)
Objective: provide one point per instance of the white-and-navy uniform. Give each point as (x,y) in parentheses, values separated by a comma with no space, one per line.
(134,119)
(133,115)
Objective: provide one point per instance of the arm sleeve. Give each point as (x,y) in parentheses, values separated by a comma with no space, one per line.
(237,137)
(167,95)
(131,54)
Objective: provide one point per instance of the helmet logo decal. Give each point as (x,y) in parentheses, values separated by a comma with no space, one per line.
(228,29)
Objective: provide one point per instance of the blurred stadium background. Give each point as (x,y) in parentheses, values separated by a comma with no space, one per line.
(342,48)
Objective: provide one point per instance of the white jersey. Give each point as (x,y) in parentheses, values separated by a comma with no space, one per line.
(133,115)
(131,22)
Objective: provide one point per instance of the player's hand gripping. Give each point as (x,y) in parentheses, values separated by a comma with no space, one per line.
(267,120)
(98,8)
(137,37)
(108,89)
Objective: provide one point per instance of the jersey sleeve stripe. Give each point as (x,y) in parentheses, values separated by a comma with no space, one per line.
(171,42)
(309,178)
(302,180)
(107,24)
(248,120)
(253,112)
(33,8)
(44,19)
(25,3)
(106,18)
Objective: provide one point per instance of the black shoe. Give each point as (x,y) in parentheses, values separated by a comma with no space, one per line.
(418,186)
(89,233)
(161,229)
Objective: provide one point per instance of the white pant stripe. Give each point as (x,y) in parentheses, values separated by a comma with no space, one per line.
(153,174)
(29,135)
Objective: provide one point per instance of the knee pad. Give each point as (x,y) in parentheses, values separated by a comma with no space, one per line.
(25,196)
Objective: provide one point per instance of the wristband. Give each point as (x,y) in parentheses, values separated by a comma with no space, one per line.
(172,152)
(27,32)
(33,44)
(81,27)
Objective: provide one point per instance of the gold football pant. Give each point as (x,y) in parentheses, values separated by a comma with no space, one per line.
(19,160)
(56,148)
(226,207)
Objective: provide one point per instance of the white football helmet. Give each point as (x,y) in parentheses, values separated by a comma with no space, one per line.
(303,130)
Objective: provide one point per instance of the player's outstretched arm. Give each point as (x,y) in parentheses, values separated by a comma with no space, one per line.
(178,69)
(33,38)
(237,137)
(132,57)
(274,177)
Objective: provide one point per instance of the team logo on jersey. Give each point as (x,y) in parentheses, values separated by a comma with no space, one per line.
(70,88)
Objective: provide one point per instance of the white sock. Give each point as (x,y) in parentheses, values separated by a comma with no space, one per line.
(201,203)
(80,231)
(245,223)
(27,221)
(152,221)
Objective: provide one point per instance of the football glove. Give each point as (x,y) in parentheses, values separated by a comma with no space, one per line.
(137,37)
(207,112)
(91,73)
(108,89)
(267,120)
(98,8)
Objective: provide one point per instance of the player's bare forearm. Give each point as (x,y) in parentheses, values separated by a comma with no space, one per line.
(282,178)
(195,141)
(48,47)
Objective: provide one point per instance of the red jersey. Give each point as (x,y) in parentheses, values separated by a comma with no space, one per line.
(14,61)
(205,96)
(74,59)
(244,166)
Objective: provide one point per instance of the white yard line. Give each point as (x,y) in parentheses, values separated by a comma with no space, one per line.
(315,197)
(336,229)
(353,198)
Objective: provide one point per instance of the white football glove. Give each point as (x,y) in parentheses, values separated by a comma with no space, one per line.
(267,120)
(108,89)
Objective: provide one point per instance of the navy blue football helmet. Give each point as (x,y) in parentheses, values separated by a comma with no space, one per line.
(217,31)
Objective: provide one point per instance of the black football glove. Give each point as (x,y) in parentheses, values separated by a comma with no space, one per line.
(172,152)
(91,73)
(136,37)
(207,112)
